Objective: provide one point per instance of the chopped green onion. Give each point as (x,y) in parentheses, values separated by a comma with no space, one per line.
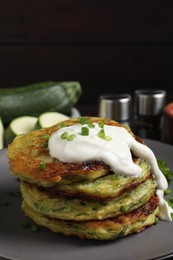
(35,229)
(83,120)
(64,135)
(84,131)
(156,221)
(42,166)
(91,125)
(46,136)
(61,125)
(25,224)
(101,124)
(71,137)
(108,138)
(101,134)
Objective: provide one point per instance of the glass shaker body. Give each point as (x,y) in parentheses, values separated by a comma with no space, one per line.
(117,107)
(148,113)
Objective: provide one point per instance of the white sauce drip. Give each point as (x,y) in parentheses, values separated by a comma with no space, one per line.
(116,153)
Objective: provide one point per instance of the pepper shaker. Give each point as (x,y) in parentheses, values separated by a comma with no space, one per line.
(148,113)
(117,107)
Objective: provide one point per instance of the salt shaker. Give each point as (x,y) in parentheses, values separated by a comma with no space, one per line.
(148,113)
(117,107)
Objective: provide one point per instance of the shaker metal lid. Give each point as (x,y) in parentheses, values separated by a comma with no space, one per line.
(115,106)
(149,101)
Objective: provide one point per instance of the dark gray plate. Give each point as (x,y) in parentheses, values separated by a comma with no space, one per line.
(19,243)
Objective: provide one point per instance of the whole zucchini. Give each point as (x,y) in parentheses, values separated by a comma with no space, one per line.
(34,99)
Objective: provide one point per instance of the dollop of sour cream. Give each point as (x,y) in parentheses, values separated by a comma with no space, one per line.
(112,145)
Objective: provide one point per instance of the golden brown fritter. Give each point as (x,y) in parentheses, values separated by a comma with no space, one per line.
(78,209)
(109,229)
(105,187)
(84,199)
(27,151)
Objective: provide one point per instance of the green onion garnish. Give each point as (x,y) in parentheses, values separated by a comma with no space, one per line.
(84,131)
(83,120)
(101,124)
(108,138)
(102,135)
(68,137)
(34,229)
(42,166)
(71,137)
(61,125)
(25,224)
(90,125)
(46,136)
(64,135)
(156,221)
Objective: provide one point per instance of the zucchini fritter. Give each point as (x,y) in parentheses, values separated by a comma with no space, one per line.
(70,208)
(85,199)
(106,187)
(27,151)
(108,229)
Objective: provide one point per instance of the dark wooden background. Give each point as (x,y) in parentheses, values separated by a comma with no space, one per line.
(108,46)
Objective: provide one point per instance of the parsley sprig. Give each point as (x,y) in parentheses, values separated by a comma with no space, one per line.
(168,173)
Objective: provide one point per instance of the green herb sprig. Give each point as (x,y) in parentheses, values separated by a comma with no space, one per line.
(168,173)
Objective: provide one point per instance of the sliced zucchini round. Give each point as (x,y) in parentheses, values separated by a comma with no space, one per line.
(1,134)
(20,125)
(49,119)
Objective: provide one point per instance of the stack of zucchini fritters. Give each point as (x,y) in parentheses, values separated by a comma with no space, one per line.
(84,199)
